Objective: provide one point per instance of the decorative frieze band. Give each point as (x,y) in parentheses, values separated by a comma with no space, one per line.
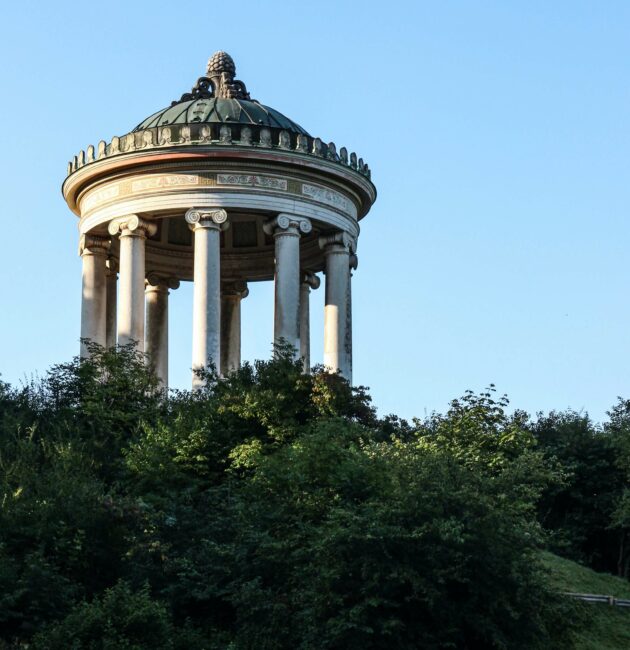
(172,180)
(253,180)
(100,196)
(324,195)
(150,184)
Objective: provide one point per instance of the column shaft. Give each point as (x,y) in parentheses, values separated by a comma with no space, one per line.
(348,337)
(231,330)
(287,287)
(112,298)
(309,281)
(336,336)
(230,333)
(286,232)
(133,232)
(93,290)
(156,344)
(206,295)
(207,227)
(305,326)
(131,313)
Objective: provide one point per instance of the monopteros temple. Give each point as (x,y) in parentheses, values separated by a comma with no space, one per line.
(220,190)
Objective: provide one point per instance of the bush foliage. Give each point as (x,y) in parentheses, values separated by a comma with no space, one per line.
(275,510)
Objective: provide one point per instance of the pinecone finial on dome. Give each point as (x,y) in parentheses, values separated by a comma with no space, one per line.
(221,72)
(221,62)
(219,81)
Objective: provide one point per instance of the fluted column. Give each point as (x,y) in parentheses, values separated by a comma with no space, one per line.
(93,250)
(206,225)
(231,295)
(309,281)
(156,342)
(112,297)
(286,231)
(133,234)
(337,249)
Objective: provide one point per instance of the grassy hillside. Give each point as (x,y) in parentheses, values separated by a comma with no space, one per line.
(605,627)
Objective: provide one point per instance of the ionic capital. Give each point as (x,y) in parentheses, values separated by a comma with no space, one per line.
(354,262)
(236,289)
(131,226)
(94,245)
(311,280)
(338,242)
(205,218)
(157,282)
(287,224)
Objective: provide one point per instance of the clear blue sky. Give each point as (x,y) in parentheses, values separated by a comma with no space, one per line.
(498,137)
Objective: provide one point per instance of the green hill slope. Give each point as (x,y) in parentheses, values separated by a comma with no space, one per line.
(605,627)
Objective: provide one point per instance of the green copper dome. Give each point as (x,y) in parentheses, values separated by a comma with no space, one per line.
(219,110)
(220,98)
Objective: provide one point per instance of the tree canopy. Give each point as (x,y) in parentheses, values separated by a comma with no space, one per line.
(273,510)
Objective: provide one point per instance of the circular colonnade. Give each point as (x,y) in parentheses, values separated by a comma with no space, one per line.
(222,191)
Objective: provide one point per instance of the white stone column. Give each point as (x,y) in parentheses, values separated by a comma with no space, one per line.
(206,225)
(337,249)
(286,230)
(156,341)
(112,299)
(231,295)
(93,250)
(354,263)
(133,234)
(309,281)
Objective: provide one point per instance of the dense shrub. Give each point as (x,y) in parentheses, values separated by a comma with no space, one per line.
(270,510)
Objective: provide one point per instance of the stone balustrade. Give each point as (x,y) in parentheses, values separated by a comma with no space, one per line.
(218,135)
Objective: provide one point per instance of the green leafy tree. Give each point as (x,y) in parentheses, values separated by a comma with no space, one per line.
(271,509)
(372,545)
(618,429)
(577,511)
(120,619)
(64,523)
